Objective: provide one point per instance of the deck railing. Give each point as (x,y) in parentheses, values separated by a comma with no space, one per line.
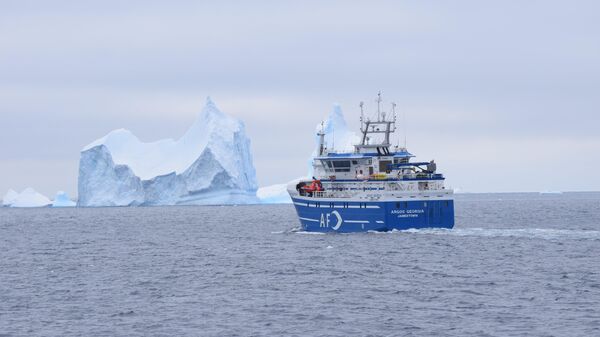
(348,192)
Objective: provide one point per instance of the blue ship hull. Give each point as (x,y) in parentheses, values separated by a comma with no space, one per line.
(326,216)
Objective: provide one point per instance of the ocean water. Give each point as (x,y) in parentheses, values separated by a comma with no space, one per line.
(515,265)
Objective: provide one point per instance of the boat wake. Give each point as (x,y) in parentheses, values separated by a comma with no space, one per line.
(534,233)
(531,233)
(296,230)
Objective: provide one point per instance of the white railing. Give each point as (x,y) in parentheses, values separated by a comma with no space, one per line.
(341,190)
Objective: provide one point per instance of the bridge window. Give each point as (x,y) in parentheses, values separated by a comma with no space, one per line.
(383,165)
(341,165)
(327,164)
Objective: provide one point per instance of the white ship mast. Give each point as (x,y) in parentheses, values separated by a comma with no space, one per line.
(321,135)
(380,126)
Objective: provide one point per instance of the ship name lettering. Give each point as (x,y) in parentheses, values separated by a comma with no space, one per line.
(407,211)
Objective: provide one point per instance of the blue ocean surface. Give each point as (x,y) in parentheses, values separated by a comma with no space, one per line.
(515,265)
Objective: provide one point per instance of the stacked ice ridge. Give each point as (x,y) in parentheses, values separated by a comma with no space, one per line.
(210,164)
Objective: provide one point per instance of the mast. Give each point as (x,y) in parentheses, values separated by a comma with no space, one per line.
(364,124)
(379,107)
(383,125)
(321,135)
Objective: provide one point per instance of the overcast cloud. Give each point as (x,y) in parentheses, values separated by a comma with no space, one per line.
(503,94)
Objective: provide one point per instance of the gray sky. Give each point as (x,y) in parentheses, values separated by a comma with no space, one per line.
(505,95)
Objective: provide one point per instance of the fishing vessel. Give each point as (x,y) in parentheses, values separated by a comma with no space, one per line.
(375,187)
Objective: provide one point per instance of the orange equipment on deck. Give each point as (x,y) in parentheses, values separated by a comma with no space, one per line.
(314,186)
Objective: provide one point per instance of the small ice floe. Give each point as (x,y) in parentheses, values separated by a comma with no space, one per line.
(62,200)
(329,247)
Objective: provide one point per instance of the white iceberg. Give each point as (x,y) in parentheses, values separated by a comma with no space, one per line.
(276,194)
(338,137)
(550,192)
(27,198)
(62,200)
(210,164)
(10,197)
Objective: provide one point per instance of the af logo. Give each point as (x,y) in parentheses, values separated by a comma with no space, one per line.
(326,220)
